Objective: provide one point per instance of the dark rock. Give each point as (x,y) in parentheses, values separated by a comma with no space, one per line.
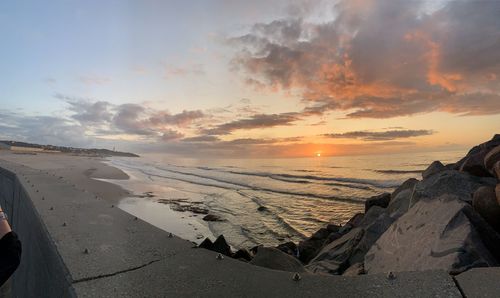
(485,203)
(243,254)
(381,200)
(352,223)
(309,248)
(255,249)
(355,220)
(207,244)
(473,162)
(491,158)
(489,236)
(354,270)
(496,170)
(212,217)
(497,192)
(262,208)
(320,234)
(434,234)
(288,248)
(408,184)
(334,257)
(434,167)
(276,259)
(220,245)
(333,227)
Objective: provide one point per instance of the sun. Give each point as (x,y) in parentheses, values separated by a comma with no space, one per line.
(318,154)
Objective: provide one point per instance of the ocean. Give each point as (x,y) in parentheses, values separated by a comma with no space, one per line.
(261,201)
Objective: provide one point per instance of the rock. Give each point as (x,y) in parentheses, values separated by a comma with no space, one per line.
(262,208)
(255,249)
(276,259)
(212,217)
(309,248)
(485,203)
(334,257)
(288,248)
(408,184)
(434,234)
(456,183)
(492,157)
(354,270)
(489,236)
(496,170)
(320,234)
(207,244)
(400,203)
(243,254)
(352,223)
(473,162)
(220,245)
(434,167)
(497,192)
(375,223)
(381,200)
(333,227)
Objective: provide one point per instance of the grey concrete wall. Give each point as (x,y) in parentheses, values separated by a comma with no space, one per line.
(41,272)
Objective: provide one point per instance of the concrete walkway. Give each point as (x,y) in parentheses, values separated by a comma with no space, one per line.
(76,244)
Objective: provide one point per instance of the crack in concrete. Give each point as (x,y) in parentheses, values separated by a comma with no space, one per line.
(114,273)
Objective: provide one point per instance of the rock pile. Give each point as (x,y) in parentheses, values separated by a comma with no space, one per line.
(449,220)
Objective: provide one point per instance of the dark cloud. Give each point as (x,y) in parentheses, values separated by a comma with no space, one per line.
(380,136)
(90,112)
(128,120)
(170,134)
(180,119)
(202,138)
(255,121)
(41,129)
(381,59)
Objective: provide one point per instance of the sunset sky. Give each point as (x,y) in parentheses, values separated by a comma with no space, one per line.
(251,78)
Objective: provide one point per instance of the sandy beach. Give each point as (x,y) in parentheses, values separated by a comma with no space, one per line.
(82,171)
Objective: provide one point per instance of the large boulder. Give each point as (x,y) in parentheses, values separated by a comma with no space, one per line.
(351,248)
(473,162)
(496,170)
(288,248)
(434,167)
(434,234)
(273,258)
(381,200)
(334,257)
(408,184)
(485,203)
(220,245)
(497,192)
(462,185)
(491,158)
(310,247)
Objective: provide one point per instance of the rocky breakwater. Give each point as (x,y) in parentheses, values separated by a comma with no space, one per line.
(449,220)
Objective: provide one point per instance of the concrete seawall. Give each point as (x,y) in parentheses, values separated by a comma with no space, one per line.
(77,244)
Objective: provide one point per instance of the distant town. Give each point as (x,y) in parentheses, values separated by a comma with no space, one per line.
(34,148)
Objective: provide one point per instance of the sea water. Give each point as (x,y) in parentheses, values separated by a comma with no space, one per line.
(262,201)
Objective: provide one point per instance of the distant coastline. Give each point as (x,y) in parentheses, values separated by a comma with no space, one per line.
(31,147)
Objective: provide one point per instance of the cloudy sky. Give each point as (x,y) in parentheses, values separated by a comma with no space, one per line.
(251,78)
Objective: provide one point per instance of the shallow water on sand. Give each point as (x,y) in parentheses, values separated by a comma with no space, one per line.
(262,201)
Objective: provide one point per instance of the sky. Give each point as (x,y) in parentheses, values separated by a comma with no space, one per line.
(246,79)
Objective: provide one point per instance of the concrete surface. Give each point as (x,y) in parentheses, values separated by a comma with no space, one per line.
(75,244)
(480,282)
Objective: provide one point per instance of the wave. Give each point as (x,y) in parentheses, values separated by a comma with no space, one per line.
(250,187)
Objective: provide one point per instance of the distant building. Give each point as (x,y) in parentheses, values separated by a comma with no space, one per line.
(6,146)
